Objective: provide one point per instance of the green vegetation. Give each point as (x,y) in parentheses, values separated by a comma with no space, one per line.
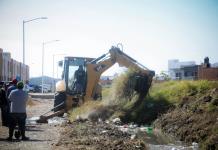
(174,91)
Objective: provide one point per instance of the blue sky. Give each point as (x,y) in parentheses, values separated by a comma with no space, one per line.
(152,31)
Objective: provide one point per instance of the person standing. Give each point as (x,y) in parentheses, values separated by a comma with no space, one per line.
(26,87)
(3,105)
(13,86)
(18,99)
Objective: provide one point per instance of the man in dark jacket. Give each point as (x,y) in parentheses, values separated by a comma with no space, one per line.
(79,80)
(3,105)
(18,99)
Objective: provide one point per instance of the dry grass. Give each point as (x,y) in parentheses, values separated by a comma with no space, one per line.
(117,99)
(84,110)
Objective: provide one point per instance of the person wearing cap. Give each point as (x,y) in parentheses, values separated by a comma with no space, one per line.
(18,99)
(13,86)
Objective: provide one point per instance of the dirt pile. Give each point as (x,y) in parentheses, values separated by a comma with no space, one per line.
(88,135)
(194,119)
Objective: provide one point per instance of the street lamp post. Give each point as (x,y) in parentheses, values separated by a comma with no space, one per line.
(43,49)
(26,21)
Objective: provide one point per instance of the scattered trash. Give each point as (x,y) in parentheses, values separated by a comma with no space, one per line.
(99,120)
(123,129)
(143,129)
(78,118)
(117,121)
(133,126)
(138,147)
(65,115)
(133,137)
(103,131)
(107,121)
(57,120)
(195,146)
(148,130)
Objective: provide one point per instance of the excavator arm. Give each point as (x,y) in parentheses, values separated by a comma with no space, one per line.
(96,67)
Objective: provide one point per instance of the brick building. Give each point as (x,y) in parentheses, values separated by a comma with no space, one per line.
(207,73)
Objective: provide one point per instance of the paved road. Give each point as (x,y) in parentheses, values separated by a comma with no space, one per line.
(42,136)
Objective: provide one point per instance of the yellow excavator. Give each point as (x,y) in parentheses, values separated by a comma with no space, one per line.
(76,88)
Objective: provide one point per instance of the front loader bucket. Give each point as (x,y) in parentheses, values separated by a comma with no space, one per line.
(44,119)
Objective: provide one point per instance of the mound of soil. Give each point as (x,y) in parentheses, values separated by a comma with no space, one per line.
(96,136)
(195,119)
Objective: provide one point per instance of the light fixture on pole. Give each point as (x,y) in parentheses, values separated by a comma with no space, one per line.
(26,21)
(43,48)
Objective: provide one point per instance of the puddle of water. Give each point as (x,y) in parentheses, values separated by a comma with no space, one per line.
(54,120)
(171,147)
(155,139)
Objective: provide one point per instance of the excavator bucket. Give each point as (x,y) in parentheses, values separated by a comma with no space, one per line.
(44,117)
(142,84)
(139,83)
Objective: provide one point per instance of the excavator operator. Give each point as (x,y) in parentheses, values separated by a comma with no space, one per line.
(79,80)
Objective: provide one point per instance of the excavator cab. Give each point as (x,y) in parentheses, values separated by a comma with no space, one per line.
(74,75)
(75,79)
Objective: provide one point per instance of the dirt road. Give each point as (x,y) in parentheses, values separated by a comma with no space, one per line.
(42,136)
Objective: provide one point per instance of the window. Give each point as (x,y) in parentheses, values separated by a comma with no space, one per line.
(71,73)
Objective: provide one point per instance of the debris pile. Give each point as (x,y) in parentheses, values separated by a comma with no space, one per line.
(97,135)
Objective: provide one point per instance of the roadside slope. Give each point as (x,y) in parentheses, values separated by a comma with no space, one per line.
(195,115)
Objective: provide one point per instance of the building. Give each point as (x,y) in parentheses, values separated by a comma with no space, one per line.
(206,71)
(106,81)
(215,65)
(10,68)
(190,71)
(182,70)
